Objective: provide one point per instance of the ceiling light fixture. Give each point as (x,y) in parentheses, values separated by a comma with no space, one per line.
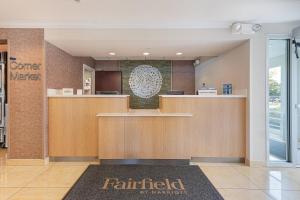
(179,53)
(146,53)
(112,53)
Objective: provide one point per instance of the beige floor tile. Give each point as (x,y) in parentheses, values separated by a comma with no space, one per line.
(284,195)
(3,157)
(69,163)
(243,194)
(2,162)
(19,176)
(293,173)
(3,153)
(270,178)
(40,194)
(74,163)
(234,181)
(217,164)
(95,163)
(227,177)
(58,176)
(5,193)
(27,162)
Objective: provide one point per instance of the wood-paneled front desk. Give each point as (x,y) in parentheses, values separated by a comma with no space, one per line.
(184,127)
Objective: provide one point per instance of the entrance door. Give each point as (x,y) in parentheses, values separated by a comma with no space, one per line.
(295,97)
(298,111)
(278,101)
(296,107)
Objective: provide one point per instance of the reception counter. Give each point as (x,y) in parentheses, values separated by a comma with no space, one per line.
(138,134)
(73,130)
(217,128)
(184,127)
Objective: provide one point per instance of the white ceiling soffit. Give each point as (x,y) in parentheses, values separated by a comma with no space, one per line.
(131,43)
(144,14)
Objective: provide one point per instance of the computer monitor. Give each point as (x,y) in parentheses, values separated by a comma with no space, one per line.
(175,92)
(107,92)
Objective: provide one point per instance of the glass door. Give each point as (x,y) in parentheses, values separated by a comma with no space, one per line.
(278,100)
(295,96)
(296,109)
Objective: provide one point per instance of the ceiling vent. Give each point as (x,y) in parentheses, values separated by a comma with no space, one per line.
(245,28)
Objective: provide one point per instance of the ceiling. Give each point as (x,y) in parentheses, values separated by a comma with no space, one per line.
(145,14)
(129,28)
(132,43)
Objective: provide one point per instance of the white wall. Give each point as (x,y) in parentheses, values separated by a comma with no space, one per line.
(225,66)
(258,87)
(257,100)
(230,67)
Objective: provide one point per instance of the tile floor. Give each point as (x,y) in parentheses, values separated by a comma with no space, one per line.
(234,181)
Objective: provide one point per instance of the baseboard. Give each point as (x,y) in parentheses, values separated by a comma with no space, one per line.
(28,162)
(218,159)
(255,163)
(181,162)
(74,159)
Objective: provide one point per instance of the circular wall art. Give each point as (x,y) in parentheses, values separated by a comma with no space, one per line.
(145,81)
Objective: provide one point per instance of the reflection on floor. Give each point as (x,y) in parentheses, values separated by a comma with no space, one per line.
(275,158)
(234,181)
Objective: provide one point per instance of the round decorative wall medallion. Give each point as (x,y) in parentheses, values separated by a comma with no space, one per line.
(145,81)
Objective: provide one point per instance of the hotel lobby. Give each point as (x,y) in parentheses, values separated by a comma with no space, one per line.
(173,100)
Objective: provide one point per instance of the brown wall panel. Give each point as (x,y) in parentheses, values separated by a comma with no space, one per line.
(26,98)
(63,69)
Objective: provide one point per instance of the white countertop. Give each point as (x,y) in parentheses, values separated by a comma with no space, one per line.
(144,114)
(89,96)
(205,96)
(169,96)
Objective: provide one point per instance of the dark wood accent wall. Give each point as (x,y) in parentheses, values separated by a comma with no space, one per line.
(108,81)
(183,76)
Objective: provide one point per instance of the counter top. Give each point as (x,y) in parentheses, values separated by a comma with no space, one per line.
(169,96)
(89,96)
(205,96)
(144,114)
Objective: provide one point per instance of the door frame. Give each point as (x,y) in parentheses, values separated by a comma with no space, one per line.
(294,101)
(88,68)
(291,141)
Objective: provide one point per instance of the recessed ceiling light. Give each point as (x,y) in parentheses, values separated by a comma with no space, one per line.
(146,53)
(112,53)
(179,53)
